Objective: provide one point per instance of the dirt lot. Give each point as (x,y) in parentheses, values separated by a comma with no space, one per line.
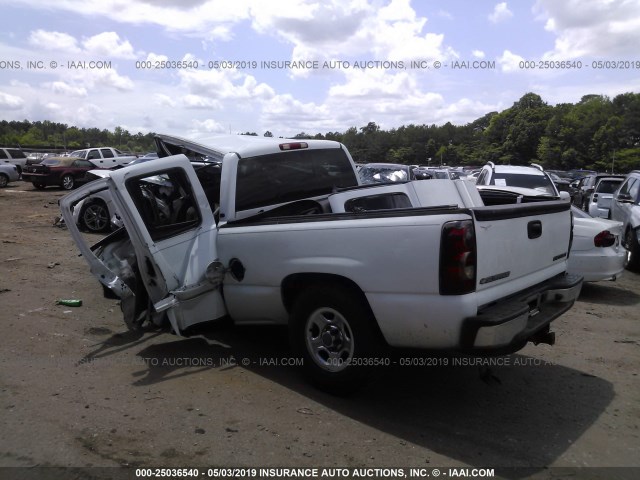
(78,389)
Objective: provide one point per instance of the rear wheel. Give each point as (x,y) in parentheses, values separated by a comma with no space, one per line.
(333,330)
(94,217)
(4,180)
(67,182)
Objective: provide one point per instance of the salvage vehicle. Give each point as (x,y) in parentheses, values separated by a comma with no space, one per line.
(600,204)
(625,208)
(596,251)
(14,156)
(66,172)
(372,173)
(8,173)
(276,231)
(585,187)
(518,176)
(103,157)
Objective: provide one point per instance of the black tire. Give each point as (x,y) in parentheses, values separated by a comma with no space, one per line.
(94,217)
(633,252)
(39,186)
(331,326)
(67,182)
(4,180)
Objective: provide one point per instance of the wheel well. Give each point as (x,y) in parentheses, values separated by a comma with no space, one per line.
(91,201)
(295,284)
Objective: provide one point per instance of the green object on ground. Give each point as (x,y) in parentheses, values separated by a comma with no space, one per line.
(70,303)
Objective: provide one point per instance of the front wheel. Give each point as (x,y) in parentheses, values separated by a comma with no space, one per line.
(94,217)
(67,182)
(4,180)
(633,252)
(333,330)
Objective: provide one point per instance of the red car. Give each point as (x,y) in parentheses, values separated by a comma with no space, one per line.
(66,172)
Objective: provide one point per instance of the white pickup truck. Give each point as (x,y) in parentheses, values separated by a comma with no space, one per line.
(103,157)
(281,232)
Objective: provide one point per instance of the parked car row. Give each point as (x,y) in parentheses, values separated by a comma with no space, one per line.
(586,186)
(598,251)
(601,247)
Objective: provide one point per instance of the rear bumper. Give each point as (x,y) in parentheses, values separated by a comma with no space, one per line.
(43,178)
(508,325)
(598,264)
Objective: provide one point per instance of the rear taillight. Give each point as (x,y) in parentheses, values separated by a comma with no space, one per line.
(594,198)
(458,258)
(604,239)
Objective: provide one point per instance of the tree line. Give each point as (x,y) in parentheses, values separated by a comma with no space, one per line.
(43,135)
(596,133)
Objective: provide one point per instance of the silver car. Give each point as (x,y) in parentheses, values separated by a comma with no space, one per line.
(625,208)
(8,173)
(600,203)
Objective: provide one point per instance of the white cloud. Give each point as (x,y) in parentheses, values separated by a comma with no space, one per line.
(153,58)
(478,54)
(53,41)
(500,13)
(224,84)
(601,28)
(103,78)
(108,44)
(164,100)
(207,18)
(284,113)
(207,126)
(338,29)
(69,90)
(197,101)
(10,102)
(510,61)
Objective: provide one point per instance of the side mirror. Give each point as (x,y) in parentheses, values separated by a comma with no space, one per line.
(624,198)
(565,196)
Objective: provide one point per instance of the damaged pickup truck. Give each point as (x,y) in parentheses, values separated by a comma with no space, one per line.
(278,231)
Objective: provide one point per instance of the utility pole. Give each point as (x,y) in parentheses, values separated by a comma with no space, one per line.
(613,160)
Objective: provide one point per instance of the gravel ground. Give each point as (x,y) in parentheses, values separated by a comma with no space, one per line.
(78,389)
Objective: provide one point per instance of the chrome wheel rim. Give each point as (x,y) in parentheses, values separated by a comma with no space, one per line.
(67,182)
(329,339)
(95,217)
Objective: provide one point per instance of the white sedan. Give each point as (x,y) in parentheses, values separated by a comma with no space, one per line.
(596,253)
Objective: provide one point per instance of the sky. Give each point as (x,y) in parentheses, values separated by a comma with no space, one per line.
(197,68)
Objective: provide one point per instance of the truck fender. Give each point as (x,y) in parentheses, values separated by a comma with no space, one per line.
(293,285)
